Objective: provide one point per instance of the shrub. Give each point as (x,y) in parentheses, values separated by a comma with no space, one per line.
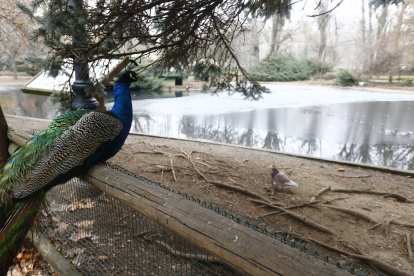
(149,82)
(407,82)
(205,87)
(287,68)
(346,78)
(32,65)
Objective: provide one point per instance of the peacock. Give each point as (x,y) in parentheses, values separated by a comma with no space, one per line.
(71,144)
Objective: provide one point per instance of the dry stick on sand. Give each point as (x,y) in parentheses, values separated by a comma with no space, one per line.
(354,248)
(389,268)
(313,198)
(223,184)
(303,219)
(403,224)
(384,266)
(302,205)
(239,190)
(387,226)
(172,169)
(375,226)
(368,191)
(410,253)
(329,247)
(187,255)
(387,229)
(352,212)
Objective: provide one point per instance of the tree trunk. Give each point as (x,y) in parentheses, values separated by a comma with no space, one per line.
(370,52)
(14,65)
(381,39)
(277,27)
(323,24)
(364,39)
(255,38)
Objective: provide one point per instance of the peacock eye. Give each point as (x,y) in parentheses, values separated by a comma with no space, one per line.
(132,77)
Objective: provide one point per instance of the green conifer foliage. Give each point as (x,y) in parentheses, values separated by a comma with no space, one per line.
(288,68)
(176,33)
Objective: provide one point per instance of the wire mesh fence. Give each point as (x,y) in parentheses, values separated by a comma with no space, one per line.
(101,236)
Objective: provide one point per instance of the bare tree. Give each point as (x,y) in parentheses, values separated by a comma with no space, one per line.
(278,23)
(12,43)
(323,22)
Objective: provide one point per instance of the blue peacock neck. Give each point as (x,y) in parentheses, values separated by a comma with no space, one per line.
(123,109)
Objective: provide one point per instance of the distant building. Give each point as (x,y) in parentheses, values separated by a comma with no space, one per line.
(174,79)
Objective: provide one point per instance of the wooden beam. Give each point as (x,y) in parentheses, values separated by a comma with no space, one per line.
(4,143)
(56,260)
(244,249)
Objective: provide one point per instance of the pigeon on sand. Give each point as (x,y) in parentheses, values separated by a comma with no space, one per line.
(281,179)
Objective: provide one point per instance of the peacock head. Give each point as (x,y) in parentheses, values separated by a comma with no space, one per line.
(129,77)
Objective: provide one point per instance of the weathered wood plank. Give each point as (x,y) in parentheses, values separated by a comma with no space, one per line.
(56,260)
(242,248)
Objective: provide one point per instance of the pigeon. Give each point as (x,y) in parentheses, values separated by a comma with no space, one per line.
(281,179)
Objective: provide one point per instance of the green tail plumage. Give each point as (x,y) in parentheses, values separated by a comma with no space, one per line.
(15,221)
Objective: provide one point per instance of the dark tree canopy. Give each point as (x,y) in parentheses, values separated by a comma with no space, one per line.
(189,36)
(380,3)
(193,36)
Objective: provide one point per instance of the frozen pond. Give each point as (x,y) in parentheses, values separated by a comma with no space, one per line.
(375,128)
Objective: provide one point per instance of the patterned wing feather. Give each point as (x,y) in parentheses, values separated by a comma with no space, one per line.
(27,156)
(69,150)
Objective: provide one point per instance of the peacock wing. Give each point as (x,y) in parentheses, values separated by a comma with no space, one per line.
(62,152)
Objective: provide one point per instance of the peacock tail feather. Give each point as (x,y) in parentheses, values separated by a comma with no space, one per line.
(15,221)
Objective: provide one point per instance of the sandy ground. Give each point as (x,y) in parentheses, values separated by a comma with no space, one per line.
(250,169)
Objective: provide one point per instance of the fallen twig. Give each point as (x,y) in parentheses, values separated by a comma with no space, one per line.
(302,205)
(410,253)
(352,247)
(290,207)
(187,255)
(303,219)
(403,224)
(189,159)
(375,226)
(245,191)
(358,251)
(384,266)
(172,169)
(313,198)
(387,228)
(329,247)
(368,191)
(352,212)
(235,182)
(208,166)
